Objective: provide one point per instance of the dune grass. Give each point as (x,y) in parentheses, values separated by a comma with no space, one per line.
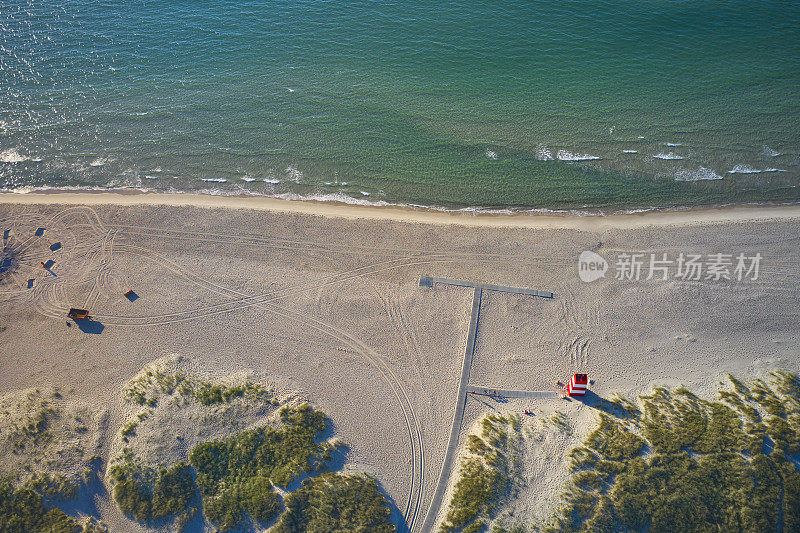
(335,502)
(146,494)
(484,475)
(235,478)
(154,381)
(24,510)
(686,464)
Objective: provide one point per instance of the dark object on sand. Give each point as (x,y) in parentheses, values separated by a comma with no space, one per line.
(130,295)
(78,314)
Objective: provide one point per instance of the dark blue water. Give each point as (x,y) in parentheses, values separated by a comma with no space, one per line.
(529,104)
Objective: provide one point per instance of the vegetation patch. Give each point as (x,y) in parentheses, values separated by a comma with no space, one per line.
(55,486)
(486,473)
(336,502)
(146,494)
(24,509)
(235,475)
(162,378)
(47,446)
(681,463)
(234,478)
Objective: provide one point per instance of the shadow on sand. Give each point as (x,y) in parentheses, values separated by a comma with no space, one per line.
(601,404)
(90,326)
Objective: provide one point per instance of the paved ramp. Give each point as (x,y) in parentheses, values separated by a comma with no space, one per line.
(464,387)
(428,281)
(458,417)
(505,393)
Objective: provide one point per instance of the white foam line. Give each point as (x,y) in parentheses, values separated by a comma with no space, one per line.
(564,155)
(669,157)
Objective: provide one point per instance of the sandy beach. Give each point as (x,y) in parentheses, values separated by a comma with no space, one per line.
(325,300)
(464,217)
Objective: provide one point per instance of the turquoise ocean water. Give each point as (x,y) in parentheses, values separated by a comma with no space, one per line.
(536,104)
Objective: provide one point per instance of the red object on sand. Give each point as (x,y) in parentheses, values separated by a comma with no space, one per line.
(577,385)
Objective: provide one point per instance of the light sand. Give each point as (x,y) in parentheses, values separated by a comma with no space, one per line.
(667,217)
(330,306)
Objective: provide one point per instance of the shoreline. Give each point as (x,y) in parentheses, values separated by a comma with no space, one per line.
(412,214)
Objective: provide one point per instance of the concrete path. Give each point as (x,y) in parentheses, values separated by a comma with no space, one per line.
(428,281)
(528,394)
(464,387)
(458,417)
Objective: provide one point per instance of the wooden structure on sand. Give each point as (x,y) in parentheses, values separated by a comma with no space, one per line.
(78,314)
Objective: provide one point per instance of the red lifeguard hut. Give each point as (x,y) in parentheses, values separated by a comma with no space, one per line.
(577,385)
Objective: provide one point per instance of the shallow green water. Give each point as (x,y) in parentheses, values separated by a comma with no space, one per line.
(451,104)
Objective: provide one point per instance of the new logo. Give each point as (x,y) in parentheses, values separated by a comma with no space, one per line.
(591,266)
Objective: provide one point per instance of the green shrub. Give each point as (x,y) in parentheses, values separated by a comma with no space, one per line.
(134,499)
(235,475)
(56,486)
(613,442)
(475,445)
(235,479)
(144,494)
(173,490)
(475,527)
(258,499)
(336,503)
(128,430)
(209,394)
(706,472)
(23,510)
(223,509)
(477,486)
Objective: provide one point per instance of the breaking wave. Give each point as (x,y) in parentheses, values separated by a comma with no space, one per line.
(543,154)
(747,169)
(564,155)
(669,157)
(12,156)
(701,173)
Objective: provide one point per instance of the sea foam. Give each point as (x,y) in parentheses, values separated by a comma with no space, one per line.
(701,173)
(12,156)
(747,169)
(670,156)
(543,153)
(294,174)
(564,155)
